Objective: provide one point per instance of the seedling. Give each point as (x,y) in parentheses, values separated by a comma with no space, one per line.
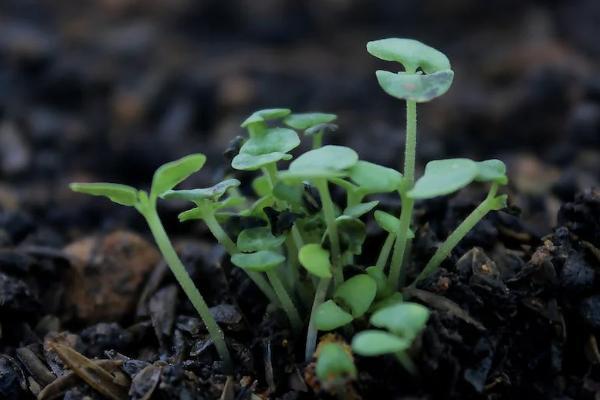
(298,242)
(165,178)
(335,367)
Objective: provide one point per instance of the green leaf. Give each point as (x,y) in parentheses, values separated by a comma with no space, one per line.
(248,162)
(321,128)
(389,223)
(492,171)
(327,159)
(315,259)
(280,140)
(375,343)
(500,202)
(261,186)
(308,120)
(308,174)
(261,261)
(403,319)
(260,238)
(357,293)
(392,299)
(444,177)
(415,87)
(361,209)
(120,194)
(330,316)
(373,178)
(212,193)
(173,173)
(192,214)
(334,365)
(410,53)
(378,275)
(266,115)
(289,193)
(352,233)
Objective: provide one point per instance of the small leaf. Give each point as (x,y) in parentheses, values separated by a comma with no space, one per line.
(443,177)
(326,158)
(261,261)
(378,275)
(330,316)
(500,202)
(410,53)
(305,121)
(261,186)
(392,299)
(120,194)
(334,365)
(492,171)
(376,343)
(352,233)
(373,178)
(173,173)
(290,193)
(389,223)
(357,293)
(260,238)
(266,115)
(325,129)
(280,140)
(359,210)
(212,193)
(415,87)
(308,174)
(248,162)
(188,215)
(315,259)
(403,319)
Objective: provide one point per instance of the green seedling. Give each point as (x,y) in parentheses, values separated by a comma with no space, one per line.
(165,178)
(335,368)
(403,323)
(313,124)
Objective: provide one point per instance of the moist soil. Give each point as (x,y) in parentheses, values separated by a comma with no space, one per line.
(88,310)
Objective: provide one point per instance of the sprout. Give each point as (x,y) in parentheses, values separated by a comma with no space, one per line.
(357,294)
(330,316)
(316,260)
(377,343)
(313,124)
(165,178)
(335,366)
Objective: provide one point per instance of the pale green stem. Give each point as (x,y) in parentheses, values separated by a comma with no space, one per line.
(311,335)
(298,240)
(386,249)
(223,238)
(186,283)
(270,171)
(292,257)
(317,140)
(459,233)
(329,214)
(286,302)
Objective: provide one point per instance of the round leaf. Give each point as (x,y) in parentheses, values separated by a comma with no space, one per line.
(280,140)
(330,316)
(248,162)
(261,261)
(410,53)
(334,365)
(328,158)
(266,115)
(212,193)
(491,171)
(352,233)
(415,87)
(315,259)
(357,293)
(260,238)
(173,173)
(308,120)
(392,299)
(375,343)
(120,194)
(402,319)
(373,178)
(444,177)
(261,186)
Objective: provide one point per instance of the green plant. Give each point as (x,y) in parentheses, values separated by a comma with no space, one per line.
(165,178)
(298,242)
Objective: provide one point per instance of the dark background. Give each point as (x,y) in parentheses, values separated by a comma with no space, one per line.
(108,90)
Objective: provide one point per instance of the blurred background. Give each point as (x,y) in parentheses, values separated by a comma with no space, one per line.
(110,89)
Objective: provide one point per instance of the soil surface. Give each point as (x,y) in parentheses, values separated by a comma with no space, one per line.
(108,90)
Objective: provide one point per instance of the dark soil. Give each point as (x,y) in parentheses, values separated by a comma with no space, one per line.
(109,90)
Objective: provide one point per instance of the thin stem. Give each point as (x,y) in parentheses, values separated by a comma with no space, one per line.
(311,336)
(397,273)
(329,214)
(410,148)
(317,140)
(223,238)
(293,263)
(270,171)
(298,240)
(186,283)
(286,301)
(459,233)
(386,249)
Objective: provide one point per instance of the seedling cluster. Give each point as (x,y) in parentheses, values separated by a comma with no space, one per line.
(298,253)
